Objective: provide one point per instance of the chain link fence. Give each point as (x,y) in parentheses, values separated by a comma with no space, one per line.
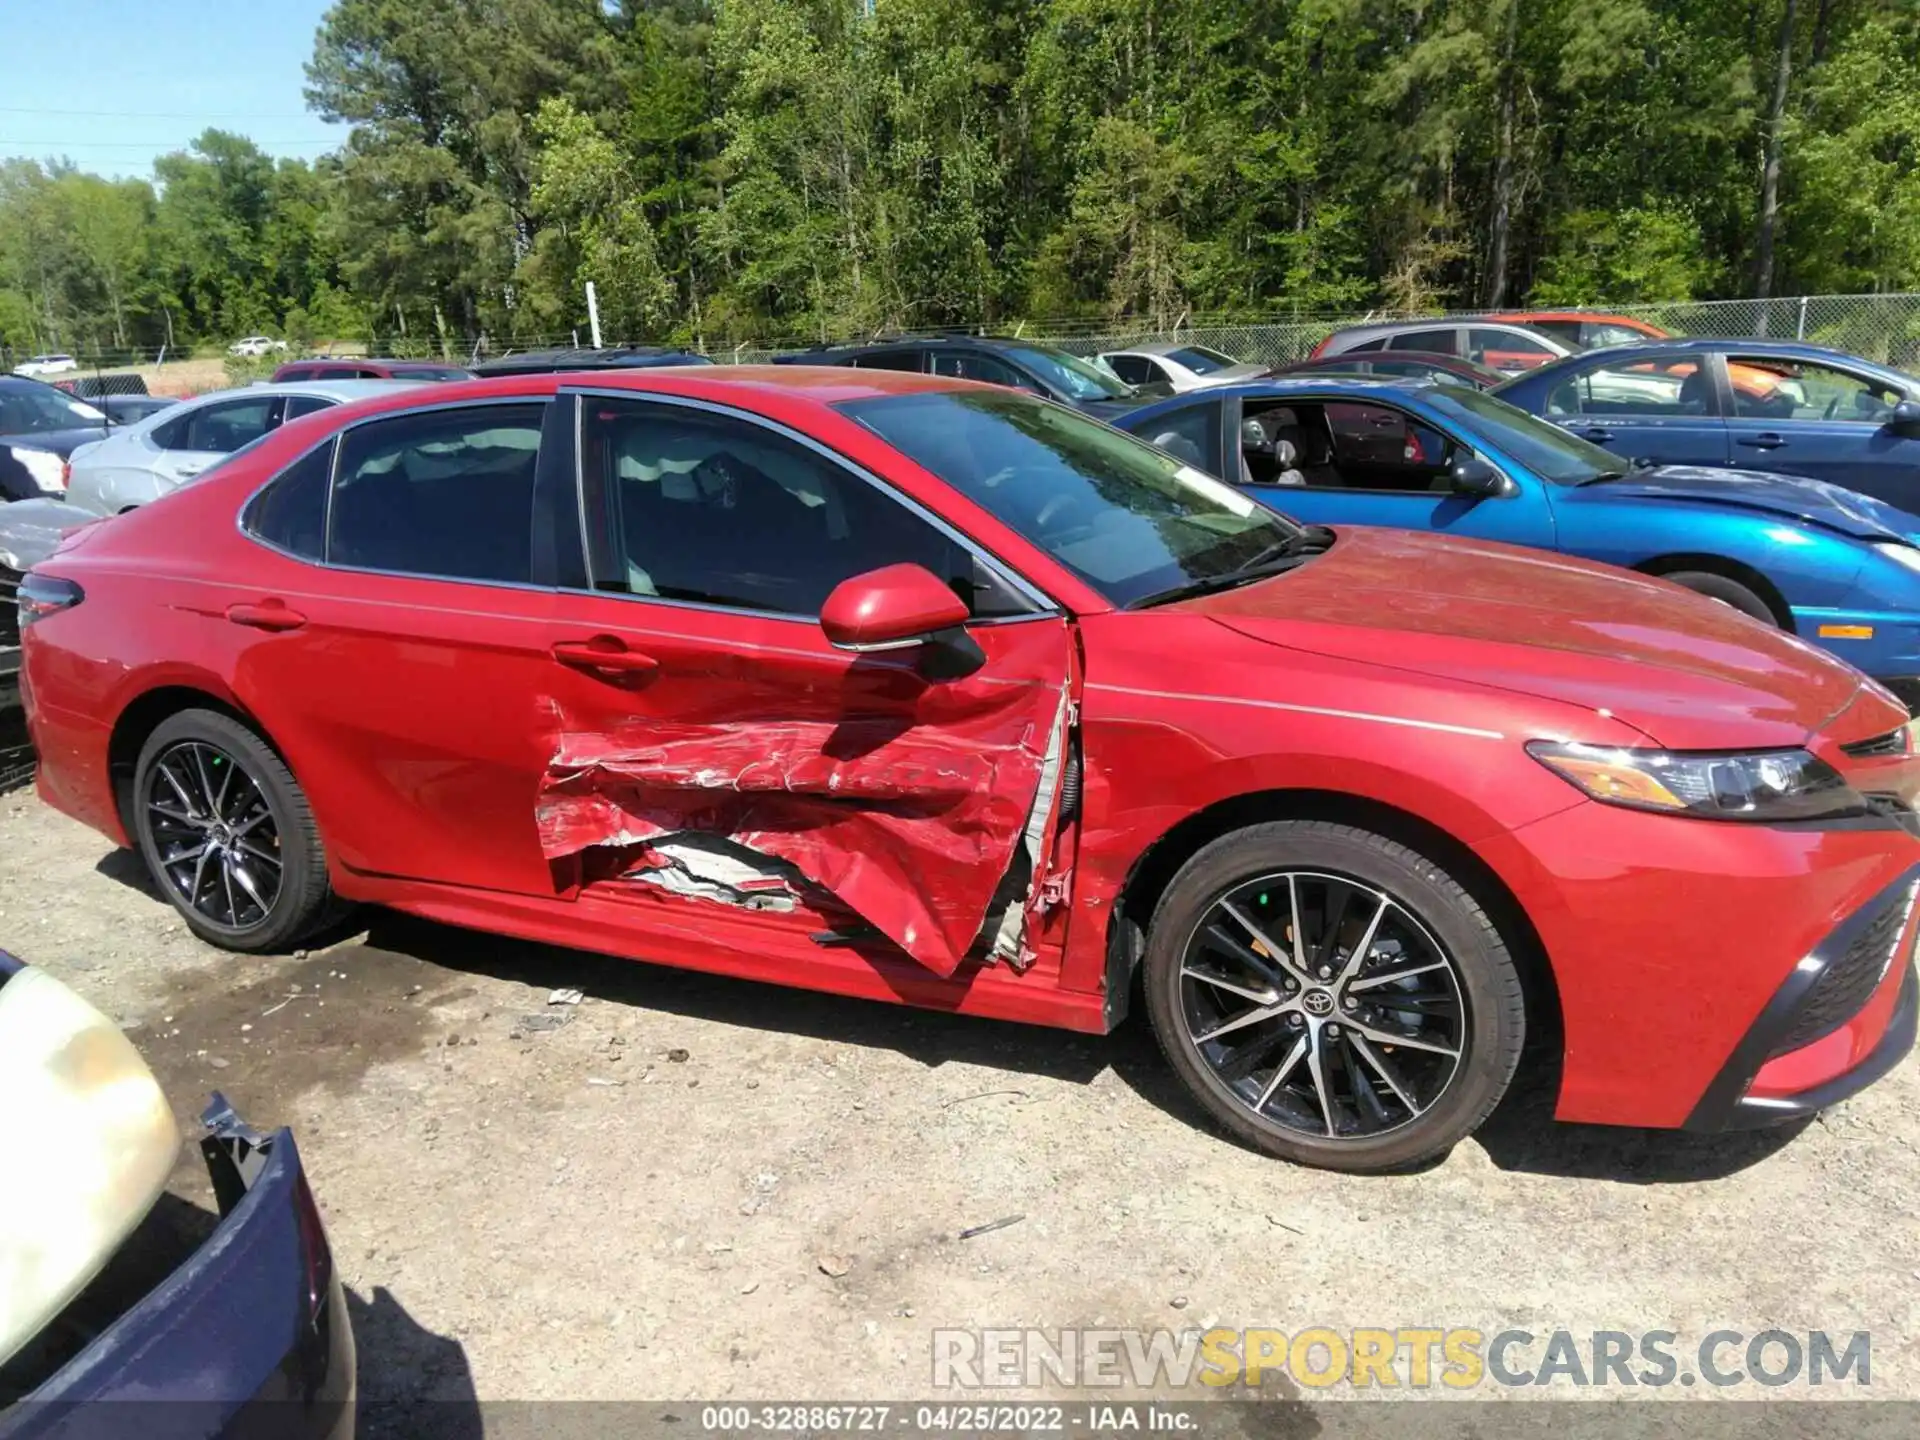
(1885,328)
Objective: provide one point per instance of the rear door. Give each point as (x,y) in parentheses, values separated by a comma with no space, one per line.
(1821,420)
(708,746)
(403,657)
(1665,410)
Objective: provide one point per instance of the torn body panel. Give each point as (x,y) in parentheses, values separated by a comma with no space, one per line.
(904,798)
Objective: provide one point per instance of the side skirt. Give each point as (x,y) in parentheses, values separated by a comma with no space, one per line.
(693,935)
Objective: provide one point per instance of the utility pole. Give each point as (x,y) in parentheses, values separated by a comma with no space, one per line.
(593,314)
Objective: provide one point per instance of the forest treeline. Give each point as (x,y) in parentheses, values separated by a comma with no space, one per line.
(730,170)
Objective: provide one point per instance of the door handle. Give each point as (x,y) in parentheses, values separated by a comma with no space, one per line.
(272,615)
(606,654)
(1766,440)
(1597,433)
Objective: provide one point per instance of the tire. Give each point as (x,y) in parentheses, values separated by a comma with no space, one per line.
(1464,995)
(193,749)
(1726,591)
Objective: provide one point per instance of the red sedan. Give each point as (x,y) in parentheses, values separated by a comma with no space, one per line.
(918,690)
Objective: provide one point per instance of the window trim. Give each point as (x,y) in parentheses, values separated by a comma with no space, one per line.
(1514,488)
(1042,604)
(337,438)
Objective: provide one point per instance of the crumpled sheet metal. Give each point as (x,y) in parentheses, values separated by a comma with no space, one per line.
(909,822)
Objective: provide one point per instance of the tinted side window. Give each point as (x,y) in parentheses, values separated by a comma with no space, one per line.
(1568,332)
(1671,389)
(1366,347)
(1131,368)
(291,513)
(1774,389)
(971,365)
(1431,342)
(1505,350)
(447,493)
(1192,435)
(705,508)
(889,360)
(221,428)
(298,405)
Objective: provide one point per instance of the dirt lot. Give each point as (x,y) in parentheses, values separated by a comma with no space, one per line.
(699,1188)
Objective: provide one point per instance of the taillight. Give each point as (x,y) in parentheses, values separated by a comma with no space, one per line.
(44,595)
(66,474)
(314,1252)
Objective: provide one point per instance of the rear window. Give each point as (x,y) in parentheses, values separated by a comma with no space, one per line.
(1200,360)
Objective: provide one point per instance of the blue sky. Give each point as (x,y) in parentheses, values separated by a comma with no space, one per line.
(110,84)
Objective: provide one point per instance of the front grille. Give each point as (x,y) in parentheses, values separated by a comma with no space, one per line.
(1894,742)
(1845,985)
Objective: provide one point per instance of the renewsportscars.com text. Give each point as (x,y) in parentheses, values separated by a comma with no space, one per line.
(1414,1358)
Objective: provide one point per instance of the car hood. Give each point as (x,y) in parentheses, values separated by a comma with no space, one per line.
(1814,501)
(1687,672)
(61,442)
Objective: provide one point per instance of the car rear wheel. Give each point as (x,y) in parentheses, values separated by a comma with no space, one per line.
(1333,997)
(1726,591)
(227,835)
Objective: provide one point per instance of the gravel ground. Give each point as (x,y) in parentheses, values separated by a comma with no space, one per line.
(698,1188)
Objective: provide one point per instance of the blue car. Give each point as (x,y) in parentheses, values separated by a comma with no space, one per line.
(117,1316)
(1836,567)
(1769,405)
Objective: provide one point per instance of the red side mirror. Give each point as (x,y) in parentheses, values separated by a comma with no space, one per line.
(890,608)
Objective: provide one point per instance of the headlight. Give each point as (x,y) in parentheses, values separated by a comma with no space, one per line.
(1766,786)
(1907,555)
(47,469)
(86,1143)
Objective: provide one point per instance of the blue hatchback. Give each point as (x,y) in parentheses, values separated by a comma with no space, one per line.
(1773,405)
(1839,568)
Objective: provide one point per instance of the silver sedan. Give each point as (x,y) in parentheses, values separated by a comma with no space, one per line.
(144,461)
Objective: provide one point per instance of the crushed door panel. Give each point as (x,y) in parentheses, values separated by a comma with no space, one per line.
(902,796)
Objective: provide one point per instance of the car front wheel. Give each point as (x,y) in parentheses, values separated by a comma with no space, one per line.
(227,835)
(1333,997)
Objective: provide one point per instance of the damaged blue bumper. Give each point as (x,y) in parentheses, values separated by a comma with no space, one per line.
(248,1338)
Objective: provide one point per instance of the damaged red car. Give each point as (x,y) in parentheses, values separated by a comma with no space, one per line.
(919,690)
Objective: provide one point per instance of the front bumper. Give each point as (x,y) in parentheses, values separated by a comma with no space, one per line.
(249,1338)
(1843,1017)
(1670,939)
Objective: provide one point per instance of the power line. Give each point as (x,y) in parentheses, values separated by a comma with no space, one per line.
(160,114)
(150,145)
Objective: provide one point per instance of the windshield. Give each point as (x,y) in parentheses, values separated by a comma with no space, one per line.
(1200,360)
(35,409)
(1543,448)
(1080,379)
(1128,519)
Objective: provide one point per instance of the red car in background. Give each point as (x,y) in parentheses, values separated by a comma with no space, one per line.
(926,691)
(1584,329)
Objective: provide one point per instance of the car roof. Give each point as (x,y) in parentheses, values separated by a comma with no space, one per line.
(908,342)
(1357,387)
(342,391)
(1161,347)
(1710,345)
